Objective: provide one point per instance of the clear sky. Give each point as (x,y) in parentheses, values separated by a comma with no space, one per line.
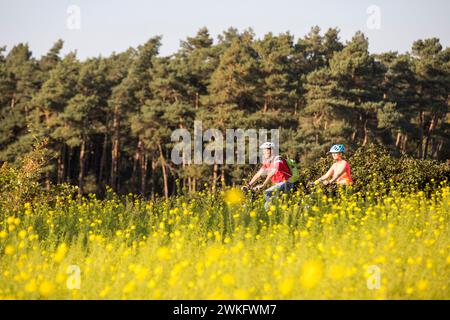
(112,25)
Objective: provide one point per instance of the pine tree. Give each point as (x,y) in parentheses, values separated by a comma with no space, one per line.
(275,54)
(234,89)
(50,101)
(20,82)
(431,69)
(127,97)
(357,74)
(399,91)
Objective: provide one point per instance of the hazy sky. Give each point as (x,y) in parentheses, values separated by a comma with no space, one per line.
(112,25)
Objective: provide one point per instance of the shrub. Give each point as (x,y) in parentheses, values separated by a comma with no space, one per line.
(373,168)
(21,184)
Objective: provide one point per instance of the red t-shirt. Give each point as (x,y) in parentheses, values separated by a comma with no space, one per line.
(281,168)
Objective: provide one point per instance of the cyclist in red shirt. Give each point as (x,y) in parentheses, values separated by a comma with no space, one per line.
(276,170)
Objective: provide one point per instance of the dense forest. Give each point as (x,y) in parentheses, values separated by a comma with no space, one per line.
(107,121)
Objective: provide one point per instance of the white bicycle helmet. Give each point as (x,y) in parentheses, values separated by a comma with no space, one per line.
(267,145)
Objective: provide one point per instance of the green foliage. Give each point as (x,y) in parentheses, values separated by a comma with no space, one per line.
(23,183)
(374,169)
(373,165)
(108,120)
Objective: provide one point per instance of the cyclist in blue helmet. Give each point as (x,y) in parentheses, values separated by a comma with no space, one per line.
(339,171)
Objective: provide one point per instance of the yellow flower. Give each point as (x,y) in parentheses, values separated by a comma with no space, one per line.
(61,277)
(163,253)
(9,249)
(46,288)
(422,285)
(3,234)
(337,272)
(129,287)
(22,234)
(228,279)
(60,253)
(234,196)
(21,245)
(31,286)
(213,253)
(310,274)
(104,292)
(241,294)
(141,272)
(286,286)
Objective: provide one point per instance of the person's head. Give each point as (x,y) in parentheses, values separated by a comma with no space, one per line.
(337,151)
(267,148)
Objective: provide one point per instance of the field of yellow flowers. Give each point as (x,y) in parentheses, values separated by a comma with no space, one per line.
(224,246)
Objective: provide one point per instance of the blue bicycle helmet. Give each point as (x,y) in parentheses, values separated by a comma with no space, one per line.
(337,148)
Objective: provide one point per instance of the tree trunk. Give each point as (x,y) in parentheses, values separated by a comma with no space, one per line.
(354,134)
(433,148)
(222,175)
(144,163)
(184,163)
(215,176)
(69,165)
(103,158)
(366,133)
(438,150)
(404,145)
(47,181)
(433,125)
(399,139)
(153,182)
(266,106)
(420,145)
(196,100)
(136,161)
(115,150)
(47,121)
(61,162)
(81,173)
(164,171)
(13,100)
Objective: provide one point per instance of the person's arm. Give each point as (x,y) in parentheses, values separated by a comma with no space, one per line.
(325,176)
(256,177)
(266,181)
(339,172)
(270,172)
